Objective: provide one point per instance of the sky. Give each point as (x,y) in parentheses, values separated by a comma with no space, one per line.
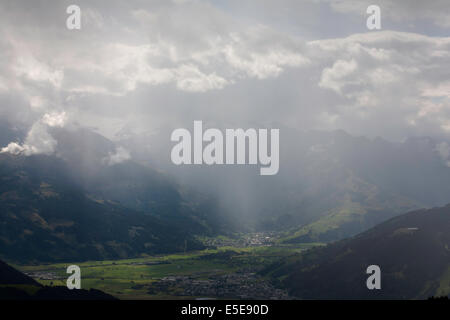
(136,67)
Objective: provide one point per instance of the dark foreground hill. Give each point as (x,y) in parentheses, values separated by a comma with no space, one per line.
(15,285)
(412,250)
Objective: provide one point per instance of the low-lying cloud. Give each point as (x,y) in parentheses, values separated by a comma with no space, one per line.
(118,156)
(38,139)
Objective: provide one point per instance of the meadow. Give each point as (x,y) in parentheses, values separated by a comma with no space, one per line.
(132,278)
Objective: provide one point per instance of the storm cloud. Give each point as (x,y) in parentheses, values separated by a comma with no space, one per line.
(162,64)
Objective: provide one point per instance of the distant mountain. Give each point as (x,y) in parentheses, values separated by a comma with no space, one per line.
(412,250)
(347,184)
(330,185)
(15,285)
(95,164)
(89,200)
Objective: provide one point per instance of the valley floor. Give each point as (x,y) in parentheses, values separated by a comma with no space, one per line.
(227,271)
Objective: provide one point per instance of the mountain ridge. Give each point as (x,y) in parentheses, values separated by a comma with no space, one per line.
(412,250)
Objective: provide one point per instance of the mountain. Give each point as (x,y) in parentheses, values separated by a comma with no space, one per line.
(106,170)
(412,251)
(95,198)
(347,184)
(46,216)
(331,185)
(90,200)
(15,285)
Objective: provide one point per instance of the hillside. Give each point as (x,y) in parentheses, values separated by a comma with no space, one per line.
(97,165)
(346,184)
(15,285)
(9,275)
(331,185)
(412,251)
(46,216)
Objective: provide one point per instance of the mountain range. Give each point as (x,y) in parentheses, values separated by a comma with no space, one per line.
(331,185)
(93,198)
(72,206)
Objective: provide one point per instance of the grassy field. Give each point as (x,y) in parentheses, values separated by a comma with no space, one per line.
(131,278)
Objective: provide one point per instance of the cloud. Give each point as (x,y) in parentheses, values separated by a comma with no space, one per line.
(29,67)
(55,119)
(190,78)
(405,11)
(390,78)
(443,149)
(334,77)
(225,60)
(13,148)
(163,64)
(191,45)
(120,155)
(38,139)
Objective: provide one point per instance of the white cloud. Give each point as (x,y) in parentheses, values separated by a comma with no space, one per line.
(54,119)
(189,78)
(29,67)
(120,155)
(163,63)
(396,76)
(37,102)
(38,139)
(334,77)
(191,45)
(219,62)
(406,11)
(13,148)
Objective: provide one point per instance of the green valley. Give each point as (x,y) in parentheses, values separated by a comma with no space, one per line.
(225,272)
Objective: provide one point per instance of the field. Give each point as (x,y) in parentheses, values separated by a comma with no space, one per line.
(224,272)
